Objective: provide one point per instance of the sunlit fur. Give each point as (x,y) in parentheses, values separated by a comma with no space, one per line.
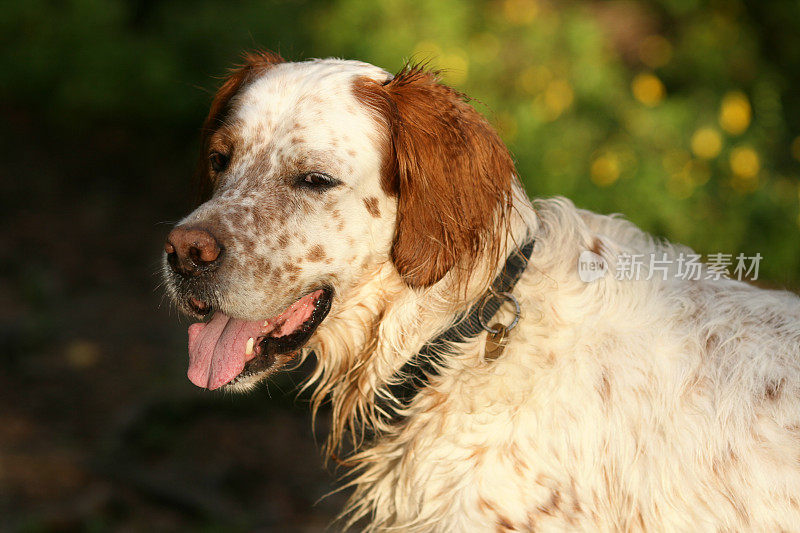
(616,405)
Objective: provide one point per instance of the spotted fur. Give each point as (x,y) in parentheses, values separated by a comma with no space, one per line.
(616,405)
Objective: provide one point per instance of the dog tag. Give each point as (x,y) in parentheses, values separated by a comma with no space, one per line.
(496,342)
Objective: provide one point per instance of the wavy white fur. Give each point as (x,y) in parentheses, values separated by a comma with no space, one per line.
(617,405)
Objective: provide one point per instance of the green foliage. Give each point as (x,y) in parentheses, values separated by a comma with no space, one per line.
(677,113)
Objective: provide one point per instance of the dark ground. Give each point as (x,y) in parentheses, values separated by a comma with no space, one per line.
(99,427)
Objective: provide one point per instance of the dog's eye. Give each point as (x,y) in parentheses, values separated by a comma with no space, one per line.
(318,180)
(219,162)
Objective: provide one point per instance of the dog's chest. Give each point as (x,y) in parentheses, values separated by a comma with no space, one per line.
(480,453)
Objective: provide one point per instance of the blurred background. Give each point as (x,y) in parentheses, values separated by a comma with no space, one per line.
(682,114)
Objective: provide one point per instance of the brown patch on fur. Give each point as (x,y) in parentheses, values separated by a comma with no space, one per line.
(741,511)
(551,507)
(597,247)
(504,524)
(573,492)
(371,204)
(733,457)
(450,170)
(517,458)
(696,386)
(478,452)
(262,265)
(712,341)
(605,387)
(255,63)
(720,467)
(316,254)
(484,505)
(640,519)
(435,400)
(530,521)
(283,240)
(773,389)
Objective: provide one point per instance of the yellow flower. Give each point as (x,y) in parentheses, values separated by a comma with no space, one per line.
(534,78)
(745,165)
(706,143)
(680,186)
(745,162)
(557,98)
(683,182)
(735,113)
(453,63)
(648,89)
(455,66)
(605,170)
(520,11)
(427,50)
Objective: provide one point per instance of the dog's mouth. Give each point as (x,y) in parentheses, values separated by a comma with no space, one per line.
(227,351)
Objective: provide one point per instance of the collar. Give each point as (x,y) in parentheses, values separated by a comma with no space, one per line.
(417,372)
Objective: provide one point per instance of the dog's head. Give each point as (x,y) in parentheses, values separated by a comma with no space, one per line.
(312,174)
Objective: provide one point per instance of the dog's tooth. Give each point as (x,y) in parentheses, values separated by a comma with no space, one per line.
(250,343)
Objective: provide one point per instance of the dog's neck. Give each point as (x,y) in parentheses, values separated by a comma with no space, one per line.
(381,323)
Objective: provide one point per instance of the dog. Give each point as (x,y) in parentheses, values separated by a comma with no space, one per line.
(376,223)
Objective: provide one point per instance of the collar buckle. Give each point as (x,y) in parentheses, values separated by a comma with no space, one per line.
(507,296)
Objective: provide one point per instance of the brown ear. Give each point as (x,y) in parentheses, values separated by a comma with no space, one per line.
(254,63)
(450,170)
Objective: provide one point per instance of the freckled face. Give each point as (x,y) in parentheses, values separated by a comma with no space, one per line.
(297,202)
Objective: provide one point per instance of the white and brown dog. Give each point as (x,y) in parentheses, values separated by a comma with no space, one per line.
(360,215)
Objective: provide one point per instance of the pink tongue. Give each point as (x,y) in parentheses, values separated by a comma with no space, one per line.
(217,347)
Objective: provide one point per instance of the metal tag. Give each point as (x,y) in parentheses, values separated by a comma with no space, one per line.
(496,342)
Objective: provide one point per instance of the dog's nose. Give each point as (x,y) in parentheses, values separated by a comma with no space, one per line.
(192,250)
